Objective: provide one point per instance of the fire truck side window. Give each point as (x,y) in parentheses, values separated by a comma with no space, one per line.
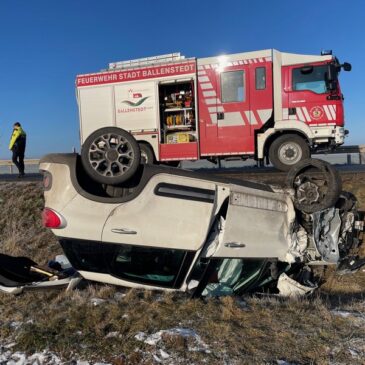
(260,78)
(232,86)
(311,78)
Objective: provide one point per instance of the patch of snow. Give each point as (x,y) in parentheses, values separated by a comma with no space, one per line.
(156,358)
(118,296)
(164,354)
(97,301)
(20,358)
(156,337)
(283,362)
(39,358)
(341,313)
(15,325)
(355,354)
(112,334)
(140,336)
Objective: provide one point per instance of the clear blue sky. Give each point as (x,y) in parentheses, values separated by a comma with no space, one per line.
(45,44)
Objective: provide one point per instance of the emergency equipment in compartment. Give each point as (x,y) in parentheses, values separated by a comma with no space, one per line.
(268,105)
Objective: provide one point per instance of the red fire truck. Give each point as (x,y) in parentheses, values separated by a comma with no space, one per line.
(267,105)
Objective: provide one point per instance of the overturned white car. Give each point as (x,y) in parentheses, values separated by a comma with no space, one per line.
(166,228)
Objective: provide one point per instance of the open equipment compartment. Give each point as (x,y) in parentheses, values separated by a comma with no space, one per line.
(177,111)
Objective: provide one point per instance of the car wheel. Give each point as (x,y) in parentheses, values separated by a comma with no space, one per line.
(147,155)
(316,183)
(287,150)
(110,155)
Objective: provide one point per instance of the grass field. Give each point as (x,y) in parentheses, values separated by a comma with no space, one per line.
(100,323)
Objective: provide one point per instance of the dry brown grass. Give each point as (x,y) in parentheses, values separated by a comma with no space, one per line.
(301,331)
(266,329)
(21,231)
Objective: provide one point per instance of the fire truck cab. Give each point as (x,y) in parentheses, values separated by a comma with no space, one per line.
(267,105)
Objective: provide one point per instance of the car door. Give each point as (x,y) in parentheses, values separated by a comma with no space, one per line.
(160,230)
(257,225)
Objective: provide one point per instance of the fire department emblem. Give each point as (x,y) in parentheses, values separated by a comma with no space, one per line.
(316,112)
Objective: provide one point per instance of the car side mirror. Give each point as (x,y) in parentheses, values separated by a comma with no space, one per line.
(346,66)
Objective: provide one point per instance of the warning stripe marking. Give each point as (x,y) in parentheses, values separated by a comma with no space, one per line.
(327,111)
(208,93)
(305,111)
(300,115)
(203,79)
(332,110)
(207,85)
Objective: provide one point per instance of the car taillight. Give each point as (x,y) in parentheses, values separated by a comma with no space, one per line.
(52,219)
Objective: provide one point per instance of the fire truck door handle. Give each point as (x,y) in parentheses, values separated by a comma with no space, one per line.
(220,115)
(292,111)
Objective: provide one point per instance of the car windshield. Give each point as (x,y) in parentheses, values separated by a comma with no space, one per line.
(232,276)
(310,78)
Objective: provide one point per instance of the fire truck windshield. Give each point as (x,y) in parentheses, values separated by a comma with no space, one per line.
(313,78)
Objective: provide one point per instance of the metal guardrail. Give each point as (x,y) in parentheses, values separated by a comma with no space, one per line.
(11,165)
(348,150)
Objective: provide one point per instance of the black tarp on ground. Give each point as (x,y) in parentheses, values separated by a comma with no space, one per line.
(15,271)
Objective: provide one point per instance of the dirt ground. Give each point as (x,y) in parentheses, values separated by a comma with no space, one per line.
(100,323)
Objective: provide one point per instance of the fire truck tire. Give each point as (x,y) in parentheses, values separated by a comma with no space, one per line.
(317,185)
(287,150)
(110,155)
(147,155)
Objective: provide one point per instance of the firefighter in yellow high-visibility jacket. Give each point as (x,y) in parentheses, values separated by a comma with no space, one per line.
(17,146)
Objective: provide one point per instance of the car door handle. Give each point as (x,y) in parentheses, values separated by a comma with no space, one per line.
(234,245)
(123,231)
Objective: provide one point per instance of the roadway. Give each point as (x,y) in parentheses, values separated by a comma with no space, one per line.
(247,172)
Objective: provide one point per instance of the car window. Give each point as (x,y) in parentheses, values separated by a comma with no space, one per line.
(149,265)
(232,276)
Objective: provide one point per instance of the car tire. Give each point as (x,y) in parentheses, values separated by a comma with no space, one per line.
(147,155)
(287,150)
(317,185)
(110,155)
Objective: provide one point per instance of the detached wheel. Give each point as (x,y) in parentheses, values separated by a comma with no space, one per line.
(316,183)
(147,155)
(110,155)
(287,150)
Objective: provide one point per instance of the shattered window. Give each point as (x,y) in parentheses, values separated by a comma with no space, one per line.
(232,276)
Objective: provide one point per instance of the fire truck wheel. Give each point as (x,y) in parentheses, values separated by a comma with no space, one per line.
(287,150)
(110,155)
(147,155)
(317,185)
